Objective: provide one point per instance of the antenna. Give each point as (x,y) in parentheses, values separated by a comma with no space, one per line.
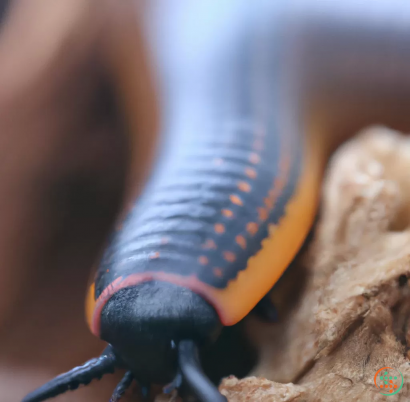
(82,375)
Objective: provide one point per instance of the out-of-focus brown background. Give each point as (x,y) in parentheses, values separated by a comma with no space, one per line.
(68,157)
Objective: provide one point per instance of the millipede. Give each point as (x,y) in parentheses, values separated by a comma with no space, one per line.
(255,96)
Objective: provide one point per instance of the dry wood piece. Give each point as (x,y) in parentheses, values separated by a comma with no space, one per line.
(352,311)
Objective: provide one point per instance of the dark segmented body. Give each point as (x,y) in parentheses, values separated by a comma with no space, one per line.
(228,173)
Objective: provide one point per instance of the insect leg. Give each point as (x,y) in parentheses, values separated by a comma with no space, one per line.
(122,386)
(266,310)
(175,384)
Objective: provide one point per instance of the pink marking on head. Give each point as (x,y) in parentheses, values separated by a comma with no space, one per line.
(190,282)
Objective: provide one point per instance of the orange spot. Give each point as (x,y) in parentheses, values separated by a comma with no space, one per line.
(279,182)
(395,386)
(209,244)
(218,272)
(258,145)
(391,381)
(155,255)
(274,192)
(391,386)
(268,202)
(107,270)
(381,386)
(235,199)
(219,228)
(251,173)
(254,158)
(203,260)
(227,212)
(244,186)
(241,241)
(229,256)
(218,161)
(164,240)
(252,228)
(263,214)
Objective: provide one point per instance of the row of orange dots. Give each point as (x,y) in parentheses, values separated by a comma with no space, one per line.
(277,186)
(275,190)
(243,187)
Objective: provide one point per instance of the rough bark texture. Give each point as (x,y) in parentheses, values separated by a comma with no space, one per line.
(344,305)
